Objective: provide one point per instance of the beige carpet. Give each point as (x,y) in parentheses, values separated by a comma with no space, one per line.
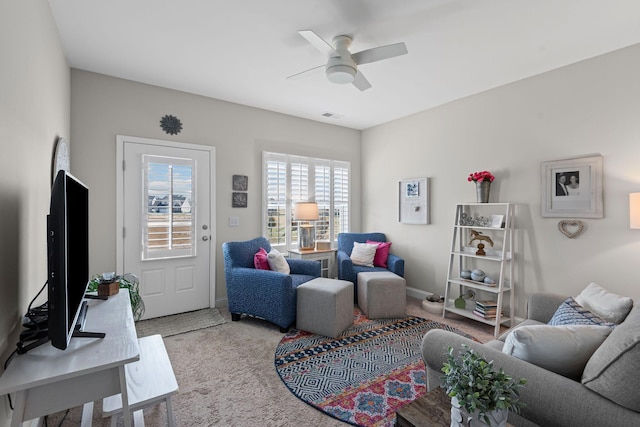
(227,377)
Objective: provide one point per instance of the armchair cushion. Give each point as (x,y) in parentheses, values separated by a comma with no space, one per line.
(277,262)
(382,253)
(363,254)
(260,260)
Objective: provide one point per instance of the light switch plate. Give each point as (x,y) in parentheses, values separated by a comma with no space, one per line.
(234,221)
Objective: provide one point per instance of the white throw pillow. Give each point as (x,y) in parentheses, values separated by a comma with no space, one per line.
(277,262)
(564,350)
(363,253)
(605,304)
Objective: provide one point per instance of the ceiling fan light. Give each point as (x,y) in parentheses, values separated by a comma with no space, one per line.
(341,74)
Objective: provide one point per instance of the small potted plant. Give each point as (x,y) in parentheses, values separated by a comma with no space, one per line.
(127,281)
(480,394)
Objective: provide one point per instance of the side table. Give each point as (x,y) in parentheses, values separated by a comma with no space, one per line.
(327,258)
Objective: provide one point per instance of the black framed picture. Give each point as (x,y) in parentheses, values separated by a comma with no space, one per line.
(240,182)
(239,200)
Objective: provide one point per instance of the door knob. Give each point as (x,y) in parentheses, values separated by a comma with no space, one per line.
(205,238)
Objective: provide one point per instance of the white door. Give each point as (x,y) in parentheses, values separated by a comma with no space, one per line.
(166,215)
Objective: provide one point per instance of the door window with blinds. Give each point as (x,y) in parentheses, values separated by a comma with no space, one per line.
(289,179)
(168,222)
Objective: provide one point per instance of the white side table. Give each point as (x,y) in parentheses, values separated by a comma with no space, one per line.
(327,258)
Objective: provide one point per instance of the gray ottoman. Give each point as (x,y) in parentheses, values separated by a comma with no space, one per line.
(325,306)
(382,294)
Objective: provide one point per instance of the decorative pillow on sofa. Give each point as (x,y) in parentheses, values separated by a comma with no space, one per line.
(564,350)
(363,254)
(277,262)
(260,260)
(382,253)
(572,313)
(612,371)
(611,307)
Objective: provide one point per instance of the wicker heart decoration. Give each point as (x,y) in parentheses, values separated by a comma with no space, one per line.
(571,228)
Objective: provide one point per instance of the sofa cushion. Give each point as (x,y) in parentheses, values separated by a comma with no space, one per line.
(564,350)
(363,253)
(612,371)
(572,313)
(277,262)
(611,307)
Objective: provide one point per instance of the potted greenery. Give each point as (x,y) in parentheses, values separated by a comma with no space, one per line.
(128,281)
(480,395)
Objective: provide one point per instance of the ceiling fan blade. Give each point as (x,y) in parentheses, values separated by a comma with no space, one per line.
(379,53)
(306,73)
(317,42)
(361,82)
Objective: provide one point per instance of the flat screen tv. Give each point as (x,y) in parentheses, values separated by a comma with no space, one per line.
(68,256)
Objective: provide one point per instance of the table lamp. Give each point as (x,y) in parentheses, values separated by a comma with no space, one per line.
(634,210)
(306,211)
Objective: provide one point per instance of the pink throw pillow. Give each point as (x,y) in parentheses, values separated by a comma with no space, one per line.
(382,253)
(260,260)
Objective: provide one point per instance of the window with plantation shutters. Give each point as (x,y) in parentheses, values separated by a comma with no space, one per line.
(289,179)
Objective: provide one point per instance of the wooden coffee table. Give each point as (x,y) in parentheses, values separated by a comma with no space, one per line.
(432,409)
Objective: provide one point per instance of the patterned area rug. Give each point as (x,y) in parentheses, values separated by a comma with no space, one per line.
(362,377)
(180,323)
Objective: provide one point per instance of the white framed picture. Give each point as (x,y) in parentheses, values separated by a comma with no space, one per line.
(497,221)
(572,187)
(413,201)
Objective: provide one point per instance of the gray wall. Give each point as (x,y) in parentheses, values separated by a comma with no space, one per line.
(103,107)
(589,107)
(34,110)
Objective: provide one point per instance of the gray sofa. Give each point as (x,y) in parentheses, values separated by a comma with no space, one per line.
(609,394)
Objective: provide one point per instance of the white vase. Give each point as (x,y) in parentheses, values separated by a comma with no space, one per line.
(461,418)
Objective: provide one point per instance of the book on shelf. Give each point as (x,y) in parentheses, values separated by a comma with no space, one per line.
(486,315)
(487,305)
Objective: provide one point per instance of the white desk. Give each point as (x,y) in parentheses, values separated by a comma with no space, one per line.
(48,380)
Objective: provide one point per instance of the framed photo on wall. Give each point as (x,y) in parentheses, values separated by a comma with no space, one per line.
(413,201)
(572,187)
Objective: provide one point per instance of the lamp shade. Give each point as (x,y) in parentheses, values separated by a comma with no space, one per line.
(305,211)
(634,210)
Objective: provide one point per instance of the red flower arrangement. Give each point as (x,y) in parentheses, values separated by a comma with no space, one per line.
(480,176)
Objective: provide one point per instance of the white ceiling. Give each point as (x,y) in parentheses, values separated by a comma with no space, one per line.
(243,50)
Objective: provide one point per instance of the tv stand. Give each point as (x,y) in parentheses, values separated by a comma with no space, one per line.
(47,380)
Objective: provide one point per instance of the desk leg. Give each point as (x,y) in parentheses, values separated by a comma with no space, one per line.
(126,413)
(18,409)
(87,415)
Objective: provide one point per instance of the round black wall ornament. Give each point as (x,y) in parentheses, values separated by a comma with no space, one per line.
(171,124)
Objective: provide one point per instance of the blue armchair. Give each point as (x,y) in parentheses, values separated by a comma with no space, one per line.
(265,294)
(348,271)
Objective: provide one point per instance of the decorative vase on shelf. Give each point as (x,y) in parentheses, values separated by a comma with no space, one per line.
(482,191)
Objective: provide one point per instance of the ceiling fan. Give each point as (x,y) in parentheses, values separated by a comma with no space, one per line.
(342,65)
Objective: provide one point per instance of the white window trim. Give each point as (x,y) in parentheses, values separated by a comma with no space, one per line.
(311,161)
